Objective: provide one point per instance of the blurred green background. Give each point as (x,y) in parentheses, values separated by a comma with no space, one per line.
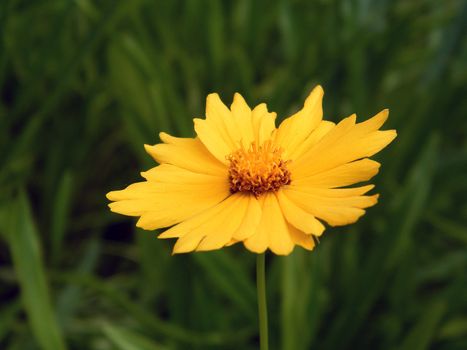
(85,84)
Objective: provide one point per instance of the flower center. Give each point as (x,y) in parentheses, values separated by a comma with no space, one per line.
(257,169)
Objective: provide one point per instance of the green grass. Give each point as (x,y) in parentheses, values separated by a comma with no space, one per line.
(84,84)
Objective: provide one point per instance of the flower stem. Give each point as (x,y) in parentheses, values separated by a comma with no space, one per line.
(262,303)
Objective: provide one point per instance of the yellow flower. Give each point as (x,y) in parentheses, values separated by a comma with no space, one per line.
(244,180)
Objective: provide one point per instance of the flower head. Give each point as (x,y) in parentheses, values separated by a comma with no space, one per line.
(244,180)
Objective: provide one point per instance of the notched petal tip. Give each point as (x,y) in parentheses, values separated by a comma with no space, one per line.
(112,208)
(310,247)
(148,148)
(169,233)
(283,252)
(169,139)
(385,138)
(359,213)
(206,247)
(368,188)
(315,96)
(383,112)
(197,124)
(216,110)
(232,242)
(383,115)
(112,195)
(372,200)
(261,108)
(239,104)
(213,99)
(242,112)
(238,96)
(254,248)
(375,122)
(348,121)
(393,132)
(180,249)
(140,224)
(319,229)
(164,137)
(152,151)
(213,95)
(318,90)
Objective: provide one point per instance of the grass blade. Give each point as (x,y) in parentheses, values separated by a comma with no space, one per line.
(27,259)
(230,279)
(60,213)
(421,334)
(125,339)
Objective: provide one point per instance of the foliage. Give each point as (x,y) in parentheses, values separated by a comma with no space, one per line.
(85,84)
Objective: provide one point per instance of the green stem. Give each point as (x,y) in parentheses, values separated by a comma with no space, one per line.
(262,304)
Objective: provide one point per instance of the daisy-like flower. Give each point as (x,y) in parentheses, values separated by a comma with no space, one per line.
(244,180)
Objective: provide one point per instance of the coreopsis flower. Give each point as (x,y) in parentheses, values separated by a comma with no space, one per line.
(244,180)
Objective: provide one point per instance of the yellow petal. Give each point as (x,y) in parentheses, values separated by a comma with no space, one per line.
(168,173)
(329,197)
(216,227)
(294,130)
(345,143)
(343,175)
(219,132)
(372,144)
(263,123)
(301,239)
(214,141)
(272,230)
(335,211)
(232,242)
(218,115)
(190,240)
(178,195)
(173,140)
(250,221)
(228,224)
(316,135)
(186,153)
(374,123)
(333,192)
(258,242)
(305,164)
(242,115)
(298,217)
(194,222)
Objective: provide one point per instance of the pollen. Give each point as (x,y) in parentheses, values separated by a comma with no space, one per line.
(257,169)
